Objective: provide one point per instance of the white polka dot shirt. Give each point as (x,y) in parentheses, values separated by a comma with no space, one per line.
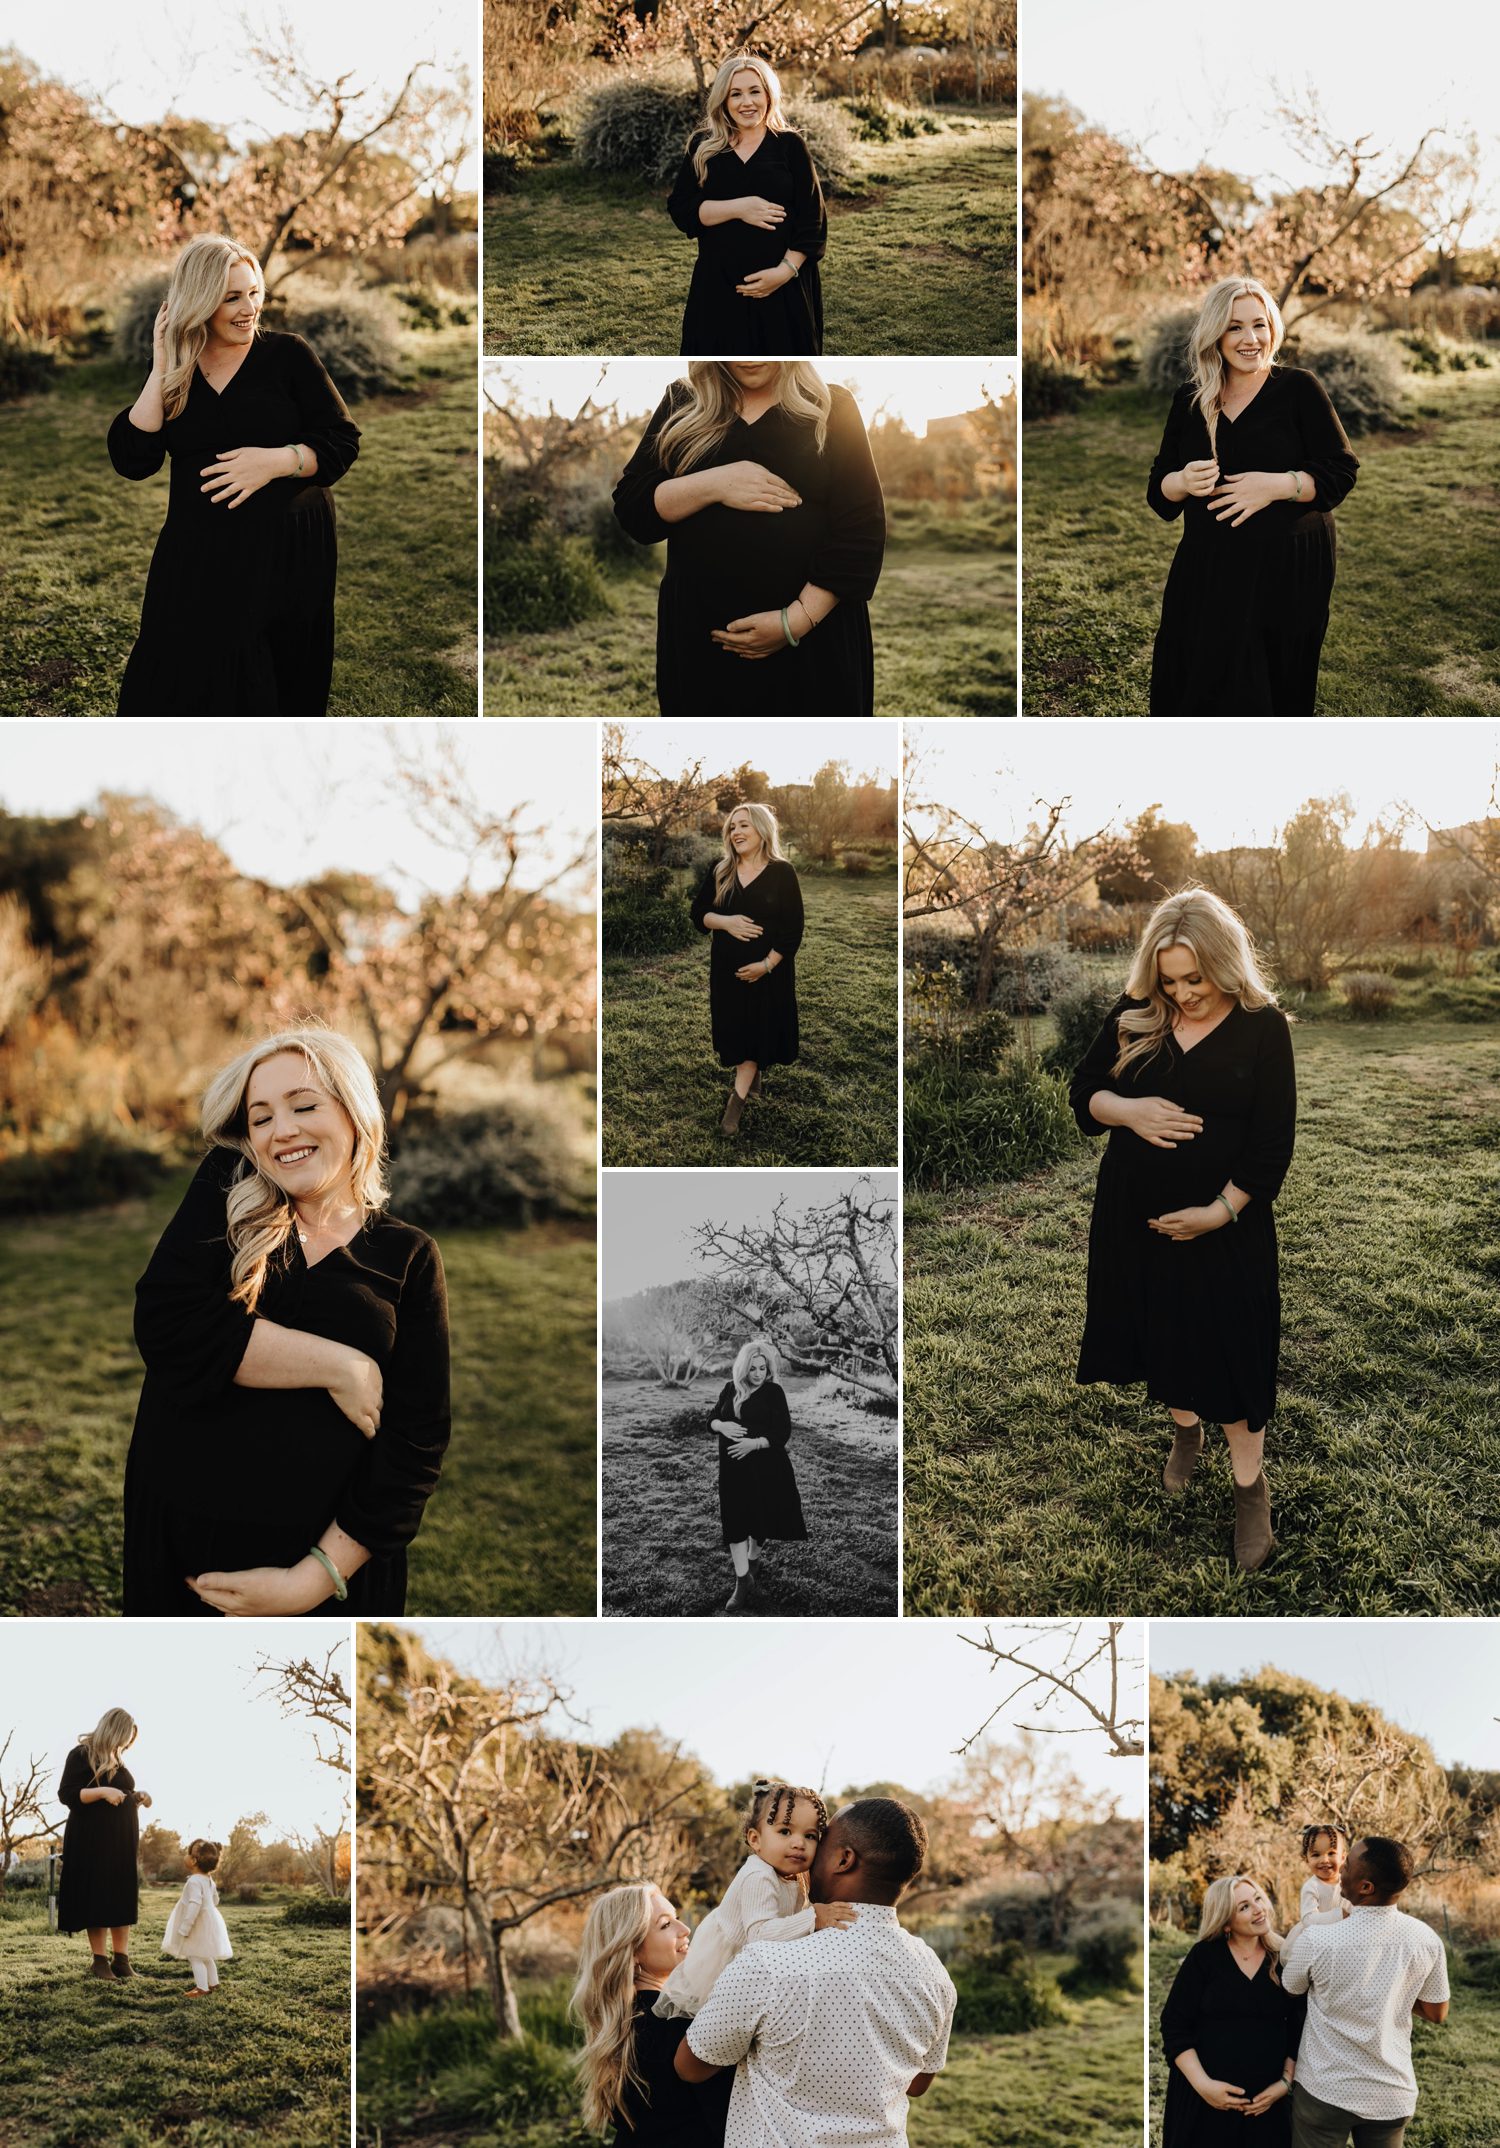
(1362,1977)
(828,2034)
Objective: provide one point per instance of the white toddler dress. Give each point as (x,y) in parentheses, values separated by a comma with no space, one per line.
(758,1904)
(195,1930)
(1321,1902)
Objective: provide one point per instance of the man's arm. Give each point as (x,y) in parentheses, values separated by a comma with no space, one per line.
(726,2024)
(1431,2009)
(692,2068)
(922,2083)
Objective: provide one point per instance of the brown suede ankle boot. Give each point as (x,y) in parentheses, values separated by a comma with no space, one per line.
(99,1967)
(734,1111)
(754,1089)
(743,1598)
(1187,1445)
(1253,1541)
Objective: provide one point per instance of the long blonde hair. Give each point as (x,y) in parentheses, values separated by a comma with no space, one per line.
(603,2001)
(763,820)
(104,1744)
(756,1347)
(1219,941)
(1218,1910)
(200,278)
(1204,355)
(702,421)
(719,131)
(260,1216)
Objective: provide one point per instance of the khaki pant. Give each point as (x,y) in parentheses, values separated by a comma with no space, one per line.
(1316,2124)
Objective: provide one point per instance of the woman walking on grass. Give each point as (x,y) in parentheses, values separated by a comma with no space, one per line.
(1255,460)
(99,1891)
(748,195)
(758,1497)
(759,478)
(1229,2029)
(238,614)
(750,903)
(1191,1076)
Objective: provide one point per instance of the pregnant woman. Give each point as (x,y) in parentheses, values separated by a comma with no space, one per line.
(760,479)
(751,904)
(1191,1076)
(748,194)
(758,1496)
(98,1892)
(632,1941)
(1255,460)
(238,616)
(1229,2029)
(294,1414)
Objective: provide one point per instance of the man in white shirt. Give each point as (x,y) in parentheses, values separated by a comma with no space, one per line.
(1365,1978)
(831,2035)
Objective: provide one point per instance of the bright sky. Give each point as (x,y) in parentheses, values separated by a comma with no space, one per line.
(914,389)
(837,1705)
(1439,1678)
(646,1216)
(148,57)
(1234,782)
(289,800)
(788,752)
(1193,85)
(212,1747)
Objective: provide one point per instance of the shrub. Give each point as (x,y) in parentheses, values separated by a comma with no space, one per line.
(1103,1960)
(512,1161)
(535,578)
(504,162)
(429,310)
(249,1893)
(25,369)
(857,862)
(1077,1015)
(317,1909)
(1360,372)
(645,911)
(135,319)
(1050,387)
(408,2050)
(1482,1967)
(693,853)
(92,1172)
(940,1025)
(1103,931)
(636,127)
(511,2083)
(965,1128)
(1001,1993)
(825,128)
(1164,364)
(1367,994)
(354,335)
(1028,979)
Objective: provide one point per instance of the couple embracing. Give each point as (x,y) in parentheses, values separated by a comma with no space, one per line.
(800,2014)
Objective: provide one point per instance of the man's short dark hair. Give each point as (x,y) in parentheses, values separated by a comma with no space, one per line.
(1388,1863)
(890,1838)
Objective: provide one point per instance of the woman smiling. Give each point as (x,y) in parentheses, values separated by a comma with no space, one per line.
(1229,2029)
(750,903)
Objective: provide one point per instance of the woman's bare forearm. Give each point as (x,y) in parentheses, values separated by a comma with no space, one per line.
(278,1357)
(148,413)
(678,497)
(1111,1110)
(815,603)
(720,212)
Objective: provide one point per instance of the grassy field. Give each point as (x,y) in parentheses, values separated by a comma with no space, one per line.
(943,619)
(510,1529)
(1025,1493)
(78,542)
(664,1090)
(664,1555)
(1457,2065)
(579,263)
(141,2065)
(1412,631)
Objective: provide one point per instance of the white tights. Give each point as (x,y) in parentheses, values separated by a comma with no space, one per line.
(205,1974)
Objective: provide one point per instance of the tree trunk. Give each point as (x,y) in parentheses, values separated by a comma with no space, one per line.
(496,1970)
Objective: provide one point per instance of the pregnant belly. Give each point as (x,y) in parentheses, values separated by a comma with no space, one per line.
(1155,1181)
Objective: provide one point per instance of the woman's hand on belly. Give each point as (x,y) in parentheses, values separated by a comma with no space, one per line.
(739,1448)
(1185,1223)
(752,489)
(1156,1119)
(265,1591)
(762,283)
(755,636)
(242,471)
(1239,497)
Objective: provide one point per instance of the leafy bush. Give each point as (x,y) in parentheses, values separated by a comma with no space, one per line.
(1164,363)
(25,369)
(318,1909)
(1104,931)
(645,910)
(408,2050)
(92,1172)
(941,1026)
(1028,979)
(249,1893)
(510,1162)
(1051,387)
(1367,994)
(1103,1960)
(1001,1993)
(966,1129)
(1428,351)
(513,2082)
(535,578)
(1077,1015)
(825,128)
(1471,999)
(429,310)
(354,335)
(135,318)
(636,127)
(504,162)
(1482,1967)
(1360,372)
(857,862)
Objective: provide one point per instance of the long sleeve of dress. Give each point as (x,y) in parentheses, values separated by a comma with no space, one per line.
(1273,1116)
(848,561)
(723,1410)
(75,1779)
(1170,456)
(760,1908)
(1093,1071)
(189,1334)
(327,427)
(686,197)
(704,901)
(635,494)
(136,454)
(188,1910)
(1181,2015)
(1327,456)
(784,925)
(806,228)
(776,1423)
(398,1469)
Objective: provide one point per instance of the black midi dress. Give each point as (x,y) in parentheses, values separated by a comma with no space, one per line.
(725,563)
(238,614)
(759,1020)
(758,1496)
(1245,610)
(666,2111)
(98,1886)
(1243,2030)
(1199,1321)
(220,1478)
(719,323)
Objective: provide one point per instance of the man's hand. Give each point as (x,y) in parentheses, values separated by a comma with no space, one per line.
(1431,2009)
(922,2083)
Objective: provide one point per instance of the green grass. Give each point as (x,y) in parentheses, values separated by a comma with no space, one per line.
(664,1090)
(141,2065)
(1073,2084)
(943,619)
(78,542)
(1412,631)
(510,1529)
(1457,2065)
(1025,1493)
(664,1555)
(922,258)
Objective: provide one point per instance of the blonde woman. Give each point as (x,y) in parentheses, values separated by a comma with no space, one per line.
(294,1414)
(1191,1077)
(1255,460)
(760,479)
(758,1496)
(748,194)
(750,903)
(98,1892)
(238,613)
(632,1941)
(1229,2028)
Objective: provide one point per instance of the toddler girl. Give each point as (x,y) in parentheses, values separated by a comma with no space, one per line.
(766,1899)
(1321,1902)
(196,1933)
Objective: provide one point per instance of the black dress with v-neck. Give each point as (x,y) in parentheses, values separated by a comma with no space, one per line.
(220,1478)
(724,563)
(1199,1321)
(754,1021)
(719,323)
(99,1885)
(1243,2029)
(238,612)
(1245,610)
